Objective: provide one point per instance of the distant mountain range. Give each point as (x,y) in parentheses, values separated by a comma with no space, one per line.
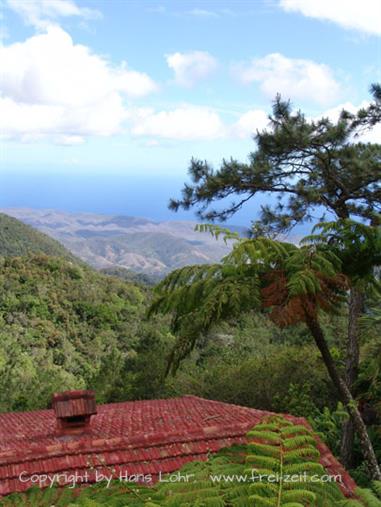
(137,244)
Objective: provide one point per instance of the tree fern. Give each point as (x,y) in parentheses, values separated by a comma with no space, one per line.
(291,284)
(259,274)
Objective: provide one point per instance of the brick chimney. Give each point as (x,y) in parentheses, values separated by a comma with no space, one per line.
(73,410)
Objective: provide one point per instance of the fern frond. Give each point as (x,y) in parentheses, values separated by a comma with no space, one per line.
(298,441)
(376,486)
(368,497)
(216,231)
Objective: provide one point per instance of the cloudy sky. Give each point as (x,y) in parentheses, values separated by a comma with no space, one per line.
(139,86)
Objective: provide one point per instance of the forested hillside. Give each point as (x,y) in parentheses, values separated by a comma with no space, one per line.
(62,326)
(131,276)
(17,238)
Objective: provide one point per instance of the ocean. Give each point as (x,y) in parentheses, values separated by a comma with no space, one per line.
(134,195)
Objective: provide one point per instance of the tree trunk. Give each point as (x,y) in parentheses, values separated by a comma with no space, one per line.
(356,306)
(346,398)
(347,444)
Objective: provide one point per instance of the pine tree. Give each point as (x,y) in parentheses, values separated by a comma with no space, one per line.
(305,163)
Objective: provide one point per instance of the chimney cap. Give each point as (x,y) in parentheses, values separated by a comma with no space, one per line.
(73,395)
(73,410)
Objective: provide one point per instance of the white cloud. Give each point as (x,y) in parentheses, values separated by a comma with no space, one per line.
(191,122)
(361,15)
(51,86)
(334,112)
(189,68)
(183,123)
(293,78)
(41,13)
(248,124)
(372,135)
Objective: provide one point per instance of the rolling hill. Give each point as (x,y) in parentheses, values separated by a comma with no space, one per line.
(138,244)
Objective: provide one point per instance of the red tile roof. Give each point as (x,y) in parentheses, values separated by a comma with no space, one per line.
(137,437)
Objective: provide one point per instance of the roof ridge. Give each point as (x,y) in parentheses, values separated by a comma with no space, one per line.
(125,402)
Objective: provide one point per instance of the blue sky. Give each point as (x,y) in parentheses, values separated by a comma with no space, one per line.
(135,88)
